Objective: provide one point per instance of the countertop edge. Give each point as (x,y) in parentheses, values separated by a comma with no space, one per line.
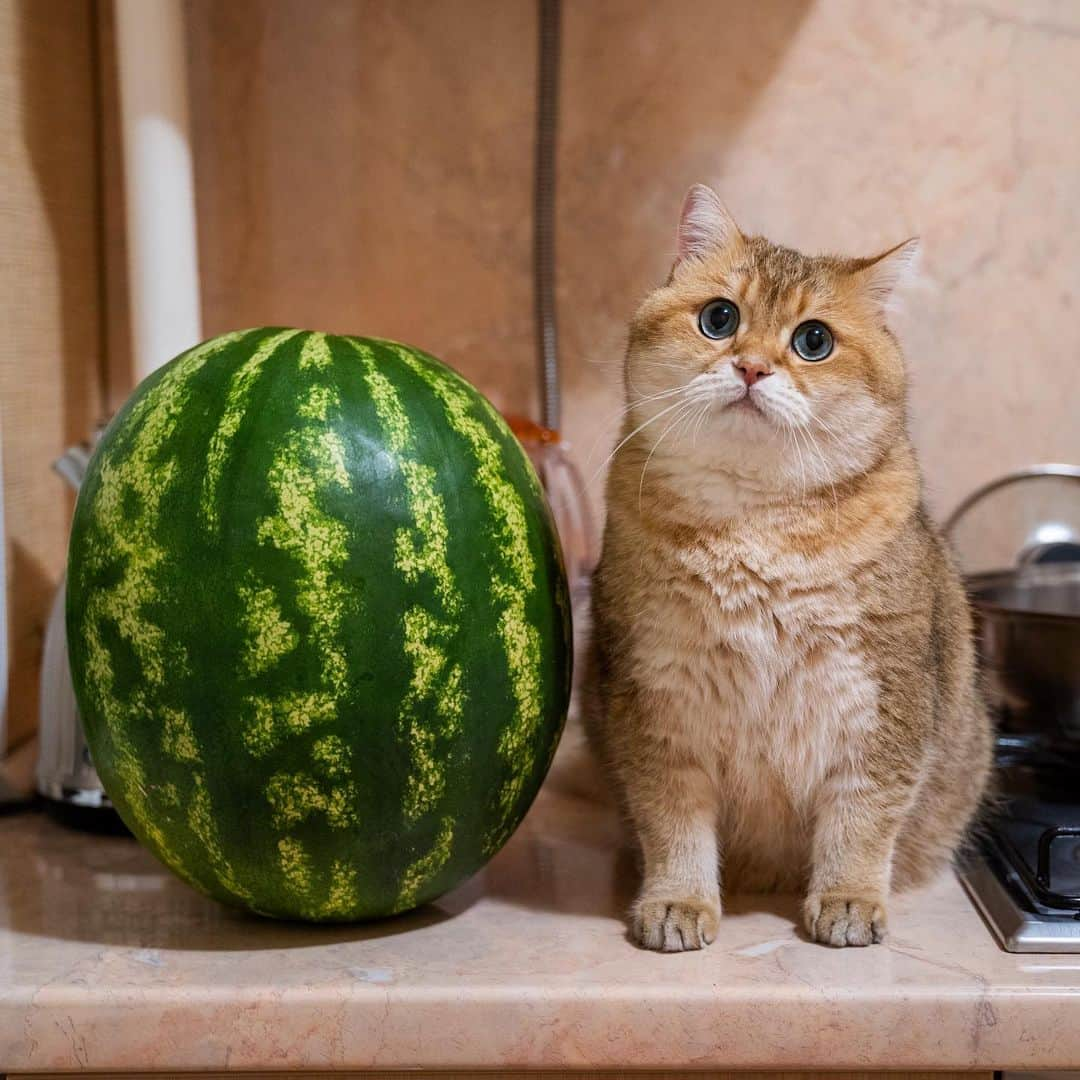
(1004,1030)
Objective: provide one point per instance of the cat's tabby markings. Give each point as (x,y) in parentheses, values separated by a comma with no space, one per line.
(783,672)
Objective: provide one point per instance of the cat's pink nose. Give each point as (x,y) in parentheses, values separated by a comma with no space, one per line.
(751,370)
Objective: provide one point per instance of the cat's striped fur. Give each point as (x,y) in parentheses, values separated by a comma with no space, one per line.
(783,678)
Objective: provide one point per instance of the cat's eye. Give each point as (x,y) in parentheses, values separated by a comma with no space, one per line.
(719,319)
(812,340)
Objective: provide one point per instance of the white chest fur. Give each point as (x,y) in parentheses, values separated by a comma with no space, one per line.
(758,655)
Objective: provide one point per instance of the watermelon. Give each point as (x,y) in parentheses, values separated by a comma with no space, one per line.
(318,623)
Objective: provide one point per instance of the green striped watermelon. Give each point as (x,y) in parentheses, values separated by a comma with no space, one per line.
(318,623)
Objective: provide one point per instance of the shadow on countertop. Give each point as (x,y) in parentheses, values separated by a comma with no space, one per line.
(58,883)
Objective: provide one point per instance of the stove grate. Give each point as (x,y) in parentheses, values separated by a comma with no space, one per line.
(1039,881)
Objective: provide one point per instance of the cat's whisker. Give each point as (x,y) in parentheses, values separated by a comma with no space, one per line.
(705,408)
(635,388)
(644,399)
(623,442)
(841,445)
(622,412)
(656,397)
(808,470)
(663,365)
(813,450)
(642,396)
(827,430)
(604,433)
(793,431)
(827,472)
(806,443)
(675,421)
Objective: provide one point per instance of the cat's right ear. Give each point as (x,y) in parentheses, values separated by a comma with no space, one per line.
(705,224)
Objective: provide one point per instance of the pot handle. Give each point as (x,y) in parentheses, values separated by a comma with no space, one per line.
(1069,472)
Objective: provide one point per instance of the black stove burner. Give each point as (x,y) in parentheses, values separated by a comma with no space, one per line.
(1024,873)
(1040,842)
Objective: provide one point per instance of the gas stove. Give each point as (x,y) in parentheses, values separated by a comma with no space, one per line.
(1018,541)
(1023,872)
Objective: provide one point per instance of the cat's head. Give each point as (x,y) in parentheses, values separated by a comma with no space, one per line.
(774,366)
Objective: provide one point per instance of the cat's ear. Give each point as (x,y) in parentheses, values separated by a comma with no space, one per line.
(882,275)
(704,224)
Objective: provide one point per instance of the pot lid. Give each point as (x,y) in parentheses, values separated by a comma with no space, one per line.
(1023,518)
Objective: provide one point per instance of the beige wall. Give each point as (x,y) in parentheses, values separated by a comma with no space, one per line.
(849,125)
(367,166)
(49,303)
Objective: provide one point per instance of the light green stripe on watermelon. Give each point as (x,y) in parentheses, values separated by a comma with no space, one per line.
(520,639)
(268,636)
(178,738)
(315,353)
(126,512)
(305,468)
(434,677)
(235,409)
(310,461)
(332,755)
(203,823)
(296,796)
(297,870)
(273,720)
(421,549)
(319,401)
(344,896)
(427,866)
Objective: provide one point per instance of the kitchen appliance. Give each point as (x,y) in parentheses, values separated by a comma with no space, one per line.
(1018,540)
(66,777)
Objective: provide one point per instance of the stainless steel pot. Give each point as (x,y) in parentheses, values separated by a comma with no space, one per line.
(1028,624)
(1027,611)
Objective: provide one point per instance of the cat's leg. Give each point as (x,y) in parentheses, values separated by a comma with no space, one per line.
(672,803)
(855,833)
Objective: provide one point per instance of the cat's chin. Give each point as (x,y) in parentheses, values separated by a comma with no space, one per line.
(748,416)
(746,404)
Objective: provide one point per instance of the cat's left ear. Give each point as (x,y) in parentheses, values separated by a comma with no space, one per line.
(704,224)
(882,275)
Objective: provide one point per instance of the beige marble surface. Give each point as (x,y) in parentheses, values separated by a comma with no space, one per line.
(106,962)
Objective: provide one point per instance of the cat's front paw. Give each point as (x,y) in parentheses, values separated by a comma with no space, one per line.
(674,924)
(838,919)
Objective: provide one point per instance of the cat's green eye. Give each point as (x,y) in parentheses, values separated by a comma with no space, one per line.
(812,340)
(719,319)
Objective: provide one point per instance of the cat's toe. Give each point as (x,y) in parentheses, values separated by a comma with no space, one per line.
(675,925)
(839,920)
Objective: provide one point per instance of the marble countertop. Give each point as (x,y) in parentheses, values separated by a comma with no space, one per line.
(107,962)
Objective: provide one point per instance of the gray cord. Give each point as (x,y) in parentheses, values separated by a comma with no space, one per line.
(547,119)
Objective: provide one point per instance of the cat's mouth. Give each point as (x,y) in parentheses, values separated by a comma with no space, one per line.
(747,404)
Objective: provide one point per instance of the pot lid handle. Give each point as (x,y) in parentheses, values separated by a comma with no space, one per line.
(1068,472)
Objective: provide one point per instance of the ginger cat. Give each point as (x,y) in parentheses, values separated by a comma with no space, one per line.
(782,674)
